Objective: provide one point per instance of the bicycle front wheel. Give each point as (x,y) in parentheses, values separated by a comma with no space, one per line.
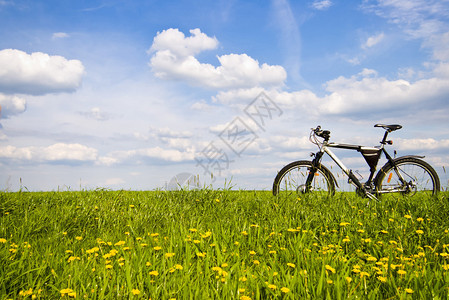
(294,177)
(408,176)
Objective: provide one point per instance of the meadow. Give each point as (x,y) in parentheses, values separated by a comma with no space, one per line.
(222,244)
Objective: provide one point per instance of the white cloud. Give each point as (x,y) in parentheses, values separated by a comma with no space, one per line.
(38,73)
(59,152)
(175,41)
(11,105)
(373,40)
(156,153)
(419,19)
(174,59)
(59,35)
(321,4)
(95,113)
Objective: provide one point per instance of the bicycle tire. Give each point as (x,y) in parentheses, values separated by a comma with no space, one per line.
(418,174)
(292,179)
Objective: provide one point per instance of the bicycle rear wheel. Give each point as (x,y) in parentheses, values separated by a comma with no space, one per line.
(292,179)
(411,176)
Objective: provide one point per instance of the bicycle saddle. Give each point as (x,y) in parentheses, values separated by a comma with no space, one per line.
(389,128)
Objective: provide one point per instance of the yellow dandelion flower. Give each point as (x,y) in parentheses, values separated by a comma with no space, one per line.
(291,265)
(329,281)
(135,292)
(201,254)
(79,238)
(420,219)
(120,243)
(252,252)
(348,279)
(419,231)
(363,274)
(245,298)
(382,279)
(243,279)
(273,252)
(154,273)
(168,255)
(371,258)
(285,290)
(272,286)
(329,268)
(256,262)
(178,267)
(2,240)
(157,248)
(402,272)
(193,230)
(244,233)
(343,224)
(407,216)
(346,240)
(409,291)
(217,200)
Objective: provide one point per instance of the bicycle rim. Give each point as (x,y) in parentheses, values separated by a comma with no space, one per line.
(418,179)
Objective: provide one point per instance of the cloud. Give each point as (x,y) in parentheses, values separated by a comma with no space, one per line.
(321,4)
(174,59)
(59,35)
(419,19)
(59,152)
(95,113)
(38,73)
(11,105)
(154,153)
(373,40)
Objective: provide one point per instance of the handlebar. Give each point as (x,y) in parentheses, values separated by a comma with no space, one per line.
(325,134)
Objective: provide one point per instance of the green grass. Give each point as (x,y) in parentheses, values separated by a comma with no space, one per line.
(218,244)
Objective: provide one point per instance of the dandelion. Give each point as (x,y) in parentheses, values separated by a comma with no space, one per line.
(329,281)
(272,286)
(329,268)
(154,235)
(79,238)
(419,231)
(245,298)
(135,292)
(93,250)
(252,252)
(384,231)
(407,216)
(420,219)
(108,267)
(243,279)
(402,272)
(217,200)
(69,292)
(168,255)
(154,273)
(409,291)
(363,274)
(348,279)
(193,230)
(371,258)
(361,231)
(2,240)
(157,248)
(346,240)
(343,224)
(291,265)
(148,264)
(382,279)
(120,243)
(201,254)
(272,252)
(256,262)
(285,290)
(244,233)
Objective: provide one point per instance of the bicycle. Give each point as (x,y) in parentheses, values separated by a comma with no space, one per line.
(406,175)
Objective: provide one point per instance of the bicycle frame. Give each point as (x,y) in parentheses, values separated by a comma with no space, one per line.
(372,160)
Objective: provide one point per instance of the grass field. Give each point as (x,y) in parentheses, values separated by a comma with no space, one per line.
(219,244)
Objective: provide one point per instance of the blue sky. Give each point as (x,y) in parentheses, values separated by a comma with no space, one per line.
(128,94)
